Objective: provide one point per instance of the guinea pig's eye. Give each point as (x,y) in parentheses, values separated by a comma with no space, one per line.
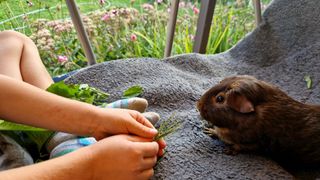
(219,99)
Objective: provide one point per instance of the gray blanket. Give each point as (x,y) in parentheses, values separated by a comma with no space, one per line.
(283,50)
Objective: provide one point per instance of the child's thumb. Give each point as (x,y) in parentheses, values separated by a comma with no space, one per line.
(142,130)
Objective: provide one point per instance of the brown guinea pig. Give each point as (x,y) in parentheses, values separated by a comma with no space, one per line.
(250,114)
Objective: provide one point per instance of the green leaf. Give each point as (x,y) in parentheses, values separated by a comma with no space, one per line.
(168,127)
(9,126)
(308,81)
(40,138)
(62,89)
(133,91)
(80,92)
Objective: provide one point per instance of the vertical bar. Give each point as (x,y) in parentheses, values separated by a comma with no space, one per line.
(203,25)
(257,10)
(81,32)
(171,27)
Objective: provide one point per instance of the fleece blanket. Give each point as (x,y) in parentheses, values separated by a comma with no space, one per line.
(282,50)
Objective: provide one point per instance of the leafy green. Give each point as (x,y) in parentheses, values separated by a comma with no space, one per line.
(62,89)
(168,127)
(80,92)
(132,92)
(308,81)
(39,137)
(9,126)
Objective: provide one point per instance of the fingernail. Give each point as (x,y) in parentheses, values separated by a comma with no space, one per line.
(164,143)
(154,131)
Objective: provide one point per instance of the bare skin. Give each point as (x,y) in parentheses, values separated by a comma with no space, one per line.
(22,80)
(20,60)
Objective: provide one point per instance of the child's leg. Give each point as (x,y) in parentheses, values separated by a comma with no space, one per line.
(19,59)
(135,103)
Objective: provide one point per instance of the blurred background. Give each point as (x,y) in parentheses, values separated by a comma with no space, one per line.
(120,29)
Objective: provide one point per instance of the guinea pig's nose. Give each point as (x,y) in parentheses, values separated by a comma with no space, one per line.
(199,105)
(201,109)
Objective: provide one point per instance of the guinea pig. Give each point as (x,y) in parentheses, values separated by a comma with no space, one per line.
(253,115)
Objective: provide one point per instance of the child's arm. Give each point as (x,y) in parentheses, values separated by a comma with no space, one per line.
(26,104)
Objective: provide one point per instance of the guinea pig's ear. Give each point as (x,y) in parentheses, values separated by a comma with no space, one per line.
(239,102)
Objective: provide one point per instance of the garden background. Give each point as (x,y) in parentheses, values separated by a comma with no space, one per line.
(120,29)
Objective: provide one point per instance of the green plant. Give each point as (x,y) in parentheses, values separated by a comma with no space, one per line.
(132,92)
(80,92)
(128,30)
(168,127)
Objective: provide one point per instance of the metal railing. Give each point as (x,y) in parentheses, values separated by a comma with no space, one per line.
(202,32)
(203,25)
(81,32)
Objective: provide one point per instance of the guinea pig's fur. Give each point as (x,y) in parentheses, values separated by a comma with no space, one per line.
(250,114)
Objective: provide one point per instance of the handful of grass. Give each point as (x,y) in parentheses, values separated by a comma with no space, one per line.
(168,127)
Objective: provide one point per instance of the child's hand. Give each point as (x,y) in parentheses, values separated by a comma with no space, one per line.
(123,157)
(162,146)
(123,121)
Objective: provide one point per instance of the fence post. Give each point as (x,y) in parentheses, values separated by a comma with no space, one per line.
(81,32)
(171,27)
(203,25)
(257,10)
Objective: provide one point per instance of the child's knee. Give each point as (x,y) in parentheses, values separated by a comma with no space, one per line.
(12,34)
(11,40)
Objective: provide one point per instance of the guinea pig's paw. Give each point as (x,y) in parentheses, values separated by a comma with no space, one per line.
(210,132)
(230,150)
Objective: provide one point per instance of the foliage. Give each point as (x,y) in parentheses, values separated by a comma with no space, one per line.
(132,92)
(5,126)
(80,92)
(137,30)
(168,127)
(308,80)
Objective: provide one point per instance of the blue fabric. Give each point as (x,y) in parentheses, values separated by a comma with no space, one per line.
(123,103)
(86,141)
(63,76)
(71,145)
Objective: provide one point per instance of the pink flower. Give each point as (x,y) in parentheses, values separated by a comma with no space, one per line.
(25,17)
(102,2)
(62,59)
(159,1)
(195,10)
(191,37)
(182,4)
(29,3)
(105,17)
(147,7)
(113,11)
(133,37)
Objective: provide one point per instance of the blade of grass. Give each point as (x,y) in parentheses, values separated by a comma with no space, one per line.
(168,127)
